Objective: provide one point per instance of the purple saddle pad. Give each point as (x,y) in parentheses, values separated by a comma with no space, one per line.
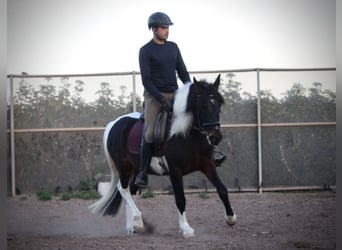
(134,137)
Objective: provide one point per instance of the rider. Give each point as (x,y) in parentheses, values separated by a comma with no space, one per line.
(159,61)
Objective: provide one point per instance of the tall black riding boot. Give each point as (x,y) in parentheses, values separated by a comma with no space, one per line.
(145,160)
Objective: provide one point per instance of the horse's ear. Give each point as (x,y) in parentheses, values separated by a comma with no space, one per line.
(195,89)
(217,82)
(197,86)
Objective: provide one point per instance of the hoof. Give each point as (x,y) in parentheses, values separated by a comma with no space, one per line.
(138,225)
(139,230)
(135,230)
(130,231)
(230,219)
(188,232)
(188,235)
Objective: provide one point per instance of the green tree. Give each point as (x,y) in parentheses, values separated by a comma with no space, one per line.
(231,90)
(76,99)
(64,92)
(271,110)
(105,96)
(237,109)
(322,103)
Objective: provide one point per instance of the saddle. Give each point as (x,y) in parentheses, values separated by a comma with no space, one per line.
(161,130)
(160,133)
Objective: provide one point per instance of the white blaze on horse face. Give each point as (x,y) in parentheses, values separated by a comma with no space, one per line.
(185,228)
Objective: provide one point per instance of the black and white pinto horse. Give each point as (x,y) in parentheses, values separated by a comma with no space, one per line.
(195,130)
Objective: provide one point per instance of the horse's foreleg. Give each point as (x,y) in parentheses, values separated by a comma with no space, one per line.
(134,221)
(230,216)
(177,184)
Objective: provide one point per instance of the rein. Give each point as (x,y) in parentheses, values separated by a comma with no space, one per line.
(204,133)
(212,145)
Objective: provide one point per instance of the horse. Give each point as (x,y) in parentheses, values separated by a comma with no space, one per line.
(194,132)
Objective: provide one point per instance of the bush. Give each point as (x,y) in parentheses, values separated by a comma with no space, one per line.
(204,195)
(86,185)
(87,194)
(148,194)
(44,195)
(65,196)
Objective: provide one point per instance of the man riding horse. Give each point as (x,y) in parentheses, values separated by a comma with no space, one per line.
(159,61)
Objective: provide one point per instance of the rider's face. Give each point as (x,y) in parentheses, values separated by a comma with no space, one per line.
(161,33)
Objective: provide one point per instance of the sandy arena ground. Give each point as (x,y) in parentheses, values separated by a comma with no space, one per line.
(292,220)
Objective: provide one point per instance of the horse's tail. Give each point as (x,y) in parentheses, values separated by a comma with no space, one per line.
(110,203)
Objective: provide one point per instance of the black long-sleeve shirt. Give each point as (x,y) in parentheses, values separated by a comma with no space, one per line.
(158,67)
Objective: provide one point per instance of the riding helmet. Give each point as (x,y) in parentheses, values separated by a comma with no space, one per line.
(159,19)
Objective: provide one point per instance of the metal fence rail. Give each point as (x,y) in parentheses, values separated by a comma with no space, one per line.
(134,74)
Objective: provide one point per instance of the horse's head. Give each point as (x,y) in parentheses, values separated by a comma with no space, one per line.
(198,105)
(206,108)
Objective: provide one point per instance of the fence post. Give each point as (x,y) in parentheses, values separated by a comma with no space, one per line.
(259,132)
(12,136)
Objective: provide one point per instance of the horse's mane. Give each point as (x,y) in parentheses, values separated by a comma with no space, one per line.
(182,119)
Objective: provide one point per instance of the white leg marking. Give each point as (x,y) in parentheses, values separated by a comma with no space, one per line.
(185,228)
(134,222)
(230,219)
(129,219)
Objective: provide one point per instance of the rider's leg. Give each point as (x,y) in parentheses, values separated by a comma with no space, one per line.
(151,110)
(145,161)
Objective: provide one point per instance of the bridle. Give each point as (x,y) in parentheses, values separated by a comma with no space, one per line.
(205,126)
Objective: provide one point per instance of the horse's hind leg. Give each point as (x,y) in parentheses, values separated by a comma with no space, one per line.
(230,216)
(134,221)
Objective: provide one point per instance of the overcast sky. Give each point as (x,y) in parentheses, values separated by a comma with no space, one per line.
(88,36)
